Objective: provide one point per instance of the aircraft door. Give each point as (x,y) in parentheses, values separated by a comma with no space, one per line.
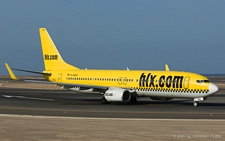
(60,78)
(125,81)
(120,81)
(186,82)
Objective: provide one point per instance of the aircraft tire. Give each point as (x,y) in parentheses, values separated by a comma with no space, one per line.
(104,101)
(195,103)
(133,100)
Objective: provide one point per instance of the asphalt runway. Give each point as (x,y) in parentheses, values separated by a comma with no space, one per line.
(21,101)
(50,113)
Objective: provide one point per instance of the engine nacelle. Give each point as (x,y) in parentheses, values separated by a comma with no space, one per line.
(117,95)
(161,98)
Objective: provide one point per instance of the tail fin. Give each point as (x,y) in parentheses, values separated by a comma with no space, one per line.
(52,58)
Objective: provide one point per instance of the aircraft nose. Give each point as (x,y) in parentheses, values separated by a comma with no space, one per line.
(213,88)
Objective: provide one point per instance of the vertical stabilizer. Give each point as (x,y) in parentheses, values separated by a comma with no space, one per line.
(52,58)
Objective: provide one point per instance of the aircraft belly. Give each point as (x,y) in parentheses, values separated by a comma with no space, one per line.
(167,94)
(190,95)
(152,93)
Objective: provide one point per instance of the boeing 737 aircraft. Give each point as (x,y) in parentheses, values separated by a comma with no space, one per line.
(120,85)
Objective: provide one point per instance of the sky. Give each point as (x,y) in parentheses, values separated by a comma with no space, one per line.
(116,34)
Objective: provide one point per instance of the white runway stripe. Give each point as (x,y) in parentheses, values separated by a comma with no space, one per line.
(23,97)
(93,118)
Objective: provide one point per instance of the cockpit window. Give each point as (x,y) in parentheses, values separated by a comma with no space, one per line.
(199,81)
(202,81)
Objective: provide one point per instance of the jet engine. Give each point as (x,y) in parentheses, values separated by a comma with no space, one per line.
(122,95)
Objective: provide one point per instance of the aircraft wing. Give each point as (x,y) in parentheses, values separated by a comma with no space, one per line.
(68,84)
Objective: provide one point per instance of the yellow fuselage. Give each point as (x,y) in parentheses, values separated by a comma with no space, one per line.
(142,81)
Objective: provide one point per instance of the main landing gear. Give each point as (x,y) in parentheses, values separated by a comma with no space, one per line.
(133,100)
(104,101)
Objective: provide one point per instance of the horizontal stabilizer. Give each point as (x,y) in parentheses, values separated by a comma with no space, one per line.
(12,75)
(43,73)
(11,72)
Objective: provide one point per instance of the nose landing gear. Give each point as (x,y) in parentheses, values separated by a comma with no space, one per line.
(195,103)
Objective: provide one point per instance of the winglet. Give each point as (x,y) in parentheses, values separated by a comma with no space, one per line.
(11,72)
(167,67)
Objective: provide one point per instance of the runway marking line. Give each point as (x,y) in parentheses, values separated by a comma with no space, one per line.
(30,88)
(24,97)
(92,118)
(63,110)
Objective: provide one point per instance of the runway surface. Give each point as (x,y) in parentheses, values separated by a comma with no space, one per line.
(55,114)
(66,103)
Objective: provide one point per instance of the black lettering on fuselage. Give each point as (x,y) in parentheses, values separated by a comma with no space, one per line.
(164,81)
(161,81)
(152,80)
(177,80)
(142,79)
(169,81)
(147,79)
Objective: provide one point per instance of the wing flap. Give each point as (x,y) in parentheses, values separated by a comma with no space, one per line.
(67,84)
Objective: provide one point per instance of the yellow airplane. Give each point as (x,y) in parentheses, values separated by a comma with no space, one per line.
(120,85)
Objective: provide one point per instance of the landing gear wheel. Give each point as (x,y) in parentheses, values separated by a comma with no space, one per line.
(104,101)
(133,100)
(195,103)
